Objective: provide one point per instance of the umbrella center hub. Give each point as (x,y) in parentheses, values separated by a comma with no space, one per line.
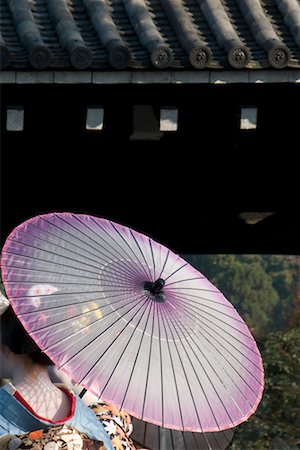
(155,289)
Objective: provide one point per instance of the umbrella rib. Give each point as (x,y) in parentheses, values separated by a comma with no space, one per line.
(196,307)
(102,255)
(144,432)
(220,320)
(208,446)
(55,254)
(92,323)
(224,435)
(234,357)
(194,298)
(54,294)
(73,317)
(58,294)
(121,286)
(161,373)
(148,367)
(54,244)
(137,354)
(214,438)
(84,234)
(222,337)
(208,378)
(172,439)
(28,269)
(188,384)
(152,254)
(206,441)
(139,247)
(122,354)
(219,343)
(234,337)
(184,279)
(227,305)
(159,439)
(56,307)
(184,441)
(45,260)
(174,377)
(122,237)
(103,353)
(198,289)
(177,270)
(80,314)
(211,365)
(109,235)
(164,264)
(56,282)
(57,264)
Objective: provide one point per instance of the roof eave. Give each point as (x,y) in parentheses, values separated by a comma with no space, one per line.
(150,77)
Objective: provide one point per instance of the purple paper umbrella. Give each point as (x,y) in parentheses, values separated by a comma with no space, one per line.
(153,437)
(132,322)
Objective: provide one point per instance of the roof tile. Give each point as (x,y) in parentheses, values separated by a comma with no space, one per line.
(149,34)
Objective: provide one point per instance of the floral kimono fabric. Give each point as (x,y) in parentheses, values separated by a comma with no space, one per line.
(116,423)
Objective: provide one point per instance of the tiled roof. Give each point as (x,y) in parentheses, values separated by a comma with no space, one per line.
(149,34)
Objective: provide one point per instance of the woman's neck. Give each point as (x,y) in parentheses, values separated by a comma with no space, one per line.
(33,383)
(27,384)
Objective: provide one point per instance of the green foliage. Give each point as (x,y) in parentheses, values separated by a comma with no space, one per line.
(284,278)
(275,425)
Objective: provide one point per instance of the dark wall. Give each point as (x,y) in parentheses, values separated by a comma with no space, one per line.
(185,189)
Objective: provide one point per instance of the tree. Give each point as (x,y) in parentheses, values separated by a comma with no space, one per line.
(275,423)
(285,272)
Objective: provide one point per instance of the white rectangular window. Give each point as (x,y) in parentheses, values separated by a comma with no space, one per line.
(168,119)
(15,118)
(94,119)
(248,120)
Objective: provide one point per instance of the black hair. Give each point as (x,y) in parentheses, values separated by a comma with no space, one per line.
(15,337)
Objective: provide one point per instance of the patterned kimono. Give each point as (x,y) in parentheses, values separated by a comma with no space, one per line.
(98,427)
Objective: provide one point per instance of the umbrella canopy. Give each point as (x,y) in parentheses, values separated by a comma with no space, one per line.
(153,437)
(132,322)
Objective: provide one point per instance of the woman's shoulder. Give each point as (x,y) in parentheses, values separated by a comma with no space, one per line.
(7,388)
(5,402)
(6,395)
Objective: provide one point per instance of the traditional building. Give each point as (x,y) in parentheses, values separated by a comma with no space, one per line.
(176,117)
